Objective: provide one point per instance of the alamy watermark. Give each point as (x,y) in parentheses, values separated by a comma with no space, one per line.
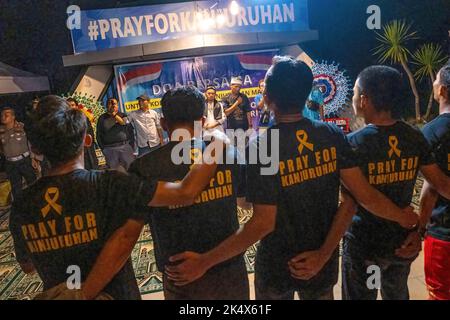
(74,17)
(74,280)
(374,20)
(247,152)
(374,280)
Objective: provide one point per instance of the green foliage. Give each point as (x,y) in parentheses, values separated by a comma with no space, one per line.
(90,103)
(393,39)
(429,58)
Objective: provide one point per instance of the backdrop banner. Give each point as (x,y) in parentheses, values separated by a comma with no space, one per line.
(120,27)
(156,78)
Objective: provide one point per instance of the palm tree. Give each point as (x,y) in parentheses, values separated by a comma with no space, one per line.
(429,58)
(396,34)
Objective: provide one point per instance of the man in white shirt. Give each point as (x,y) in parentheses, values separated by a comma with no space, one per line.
(147,126)
(215,116)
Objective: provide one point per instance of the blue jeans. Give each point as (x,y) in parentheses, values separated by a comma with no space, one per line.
(394,272)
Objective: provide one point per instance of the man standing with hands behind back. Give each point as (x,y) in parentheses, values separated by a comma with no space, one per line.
(214,113)
(147,127)
(435,209)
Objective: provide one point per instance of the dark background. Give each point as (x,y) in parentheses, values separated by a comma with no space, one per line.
(33,35)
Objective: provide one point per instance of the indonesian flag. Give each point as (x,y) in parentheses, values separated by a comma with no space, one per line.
(139,75)
(255,62)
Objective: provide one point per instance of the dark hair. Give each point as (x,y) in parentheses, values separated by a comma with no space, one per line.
(445,78)
(110,99)
(72,100)
(9,109)
(183,105)
(288,84)
(56,130)
(383,86)
(211,88)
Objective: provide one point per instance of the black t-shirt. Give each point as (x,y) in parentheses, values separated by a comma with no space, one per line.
(199,227)
(66,220)
(305,191)
(109,132)
(437,132)
(390,157)
(237,119)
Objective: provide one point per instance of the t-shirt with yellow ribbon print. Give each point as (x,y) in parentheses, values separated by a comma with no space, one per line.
(437,133)
(390,157)
(65,220)
(305,191)
(211,219)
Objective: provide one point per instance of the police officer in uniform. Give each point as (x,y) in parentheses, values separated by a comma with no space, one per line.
(14,146)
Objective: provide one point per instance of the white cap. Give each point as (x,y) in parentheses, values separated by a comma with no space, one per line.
(236,80)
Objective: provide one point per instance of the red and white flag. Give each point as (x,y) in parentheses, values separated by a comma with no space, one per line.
(139,75)
(255,62)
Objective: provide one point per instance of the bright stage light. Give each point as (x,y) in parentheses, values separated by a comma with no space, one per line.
(199,16)
(220,20)
(199,21)
(206,24)
(234,8)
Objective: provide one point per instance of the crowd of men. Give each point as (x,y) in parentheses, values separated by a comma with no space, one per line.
(329,187)
(123,137)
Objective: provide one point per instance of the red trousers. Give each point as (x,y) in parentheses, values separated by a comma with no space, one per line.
(437,268)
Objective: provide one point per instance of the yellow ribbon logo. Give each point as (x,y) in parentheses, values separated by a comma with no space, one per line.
(302,138)
(393,143)
(51,196)
(196,155)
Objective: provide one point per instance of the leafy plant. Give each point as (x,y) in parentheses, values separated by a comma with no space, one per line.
(429,58)
(393,46)
(92,106)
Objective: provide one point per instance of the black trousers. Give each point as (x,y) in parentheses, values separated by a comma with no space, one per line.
(230,282)
(15,170)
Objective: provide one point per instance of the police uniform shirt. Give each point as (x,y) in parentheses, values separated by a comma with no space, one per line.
(14,141)
(199,227)
(390,157)
(66,221)
(306,193)
(437,133)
